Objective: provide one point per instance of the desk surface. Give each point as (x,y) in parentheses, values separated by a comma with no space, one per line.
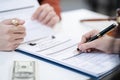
(70,26)
(45,71)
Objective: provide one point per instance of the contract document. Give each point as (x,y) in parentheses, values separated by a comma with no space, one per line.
(62,50)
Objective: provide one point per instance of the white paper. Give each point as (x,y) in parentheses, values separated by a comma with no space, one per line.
(26,8)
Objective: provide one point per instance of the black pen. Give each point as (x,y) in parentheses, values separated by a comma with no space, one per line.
(100,34)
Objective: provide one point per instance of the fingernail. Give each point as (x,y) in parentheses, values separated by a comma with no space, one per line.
(22,22)
(32,18)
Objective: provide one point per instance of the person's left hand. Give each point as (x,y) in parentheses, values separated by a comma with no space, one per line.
(46,15)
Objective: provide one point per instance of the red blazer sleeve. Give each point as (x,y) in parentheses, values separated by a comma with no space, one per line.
(54,3)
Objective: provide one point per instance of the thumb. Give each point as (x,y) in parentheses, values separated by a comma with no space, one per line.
(21,22)
(9,21)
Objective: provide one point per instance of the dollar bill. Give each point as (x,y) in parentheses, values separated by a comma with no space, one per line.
(24,70)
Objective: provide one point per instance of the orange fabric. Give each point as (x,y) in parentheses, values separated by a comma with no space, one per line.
(111,33)
(115,32)
(54,3)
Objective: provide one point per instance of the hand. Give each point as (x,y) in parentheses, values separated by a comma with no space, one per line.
(10,35)
(104,44)
(46,15)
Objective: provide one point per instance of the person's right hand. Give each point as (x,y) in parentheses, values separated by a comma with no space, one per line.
(104,44)
(46,15)
(10,35)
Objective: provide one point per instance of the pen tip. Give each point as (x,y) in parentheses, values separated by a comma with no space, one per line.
(78,49)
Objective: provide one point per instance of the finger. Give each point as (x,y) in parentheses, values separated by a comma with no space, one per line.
(11,47)
(87,46)
(19,36)
(84,39)
(89,50)
(16,44)
(14,47)
(88,36)
(18,41)
(53,21)
(9,21)
(49,16)
(19,29)
(38,11)
(14,37)
(44,13)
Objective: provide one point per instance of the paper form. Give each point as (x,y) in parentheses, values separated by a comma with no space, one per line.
(97,63)
(52,47)
(63,49)
(24,10)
